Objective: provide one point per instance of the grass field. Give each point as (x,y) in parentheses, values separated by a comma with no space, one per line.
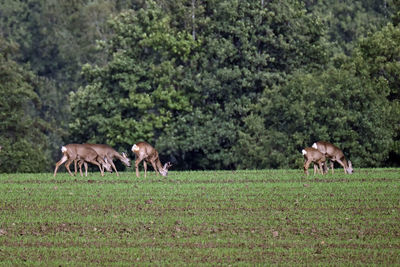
(201,218)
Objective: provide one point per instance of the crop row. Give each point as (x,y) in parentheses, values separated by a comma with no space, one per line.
(243,217)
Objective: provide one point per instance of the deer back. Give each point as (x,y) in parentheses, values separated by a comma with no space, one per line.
(70,151)
(330,150)
(144,150)
(313,154)
(86,153)
(102,150)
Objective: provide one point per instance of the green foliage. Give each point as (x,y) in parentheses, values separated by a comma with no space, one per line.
(354,106)
(377,58)
(55,37)
(244,48)
(335,105)
(22,132)
(200,139)
(259,148)
(137,93)
(212,84)
(350,20)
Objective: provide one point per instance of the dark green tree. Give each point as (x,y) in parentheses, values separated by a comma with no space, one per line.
(336,106)
(355,106)
(347,21)
(246,46)
(191,76)
(22,132)
(55,38)
(135,95)
(377,58)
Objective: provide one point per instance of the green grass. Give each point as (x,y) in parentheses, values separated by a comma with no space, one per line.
(201,218)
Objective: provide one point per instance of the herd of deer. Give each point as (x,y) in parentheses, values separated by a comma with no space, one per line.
(103,156)
(319,152)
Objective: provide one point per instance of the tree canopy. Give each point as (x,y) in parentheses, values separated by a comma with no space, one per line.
(212,84)
(23,134)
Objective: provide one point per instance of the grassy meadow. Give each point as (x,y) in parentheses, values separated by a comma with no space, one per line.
(201,218)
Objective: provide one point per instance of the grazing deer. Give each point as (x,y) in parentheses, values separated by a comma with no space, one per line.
(313,155)
(106,151)
(333,153)
(80,152)
(147,153)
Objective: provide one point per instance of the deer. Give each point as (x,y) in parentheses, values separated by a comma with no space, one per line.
(333,153)
(80,152)
(146,153)
(106,151)
(313,155)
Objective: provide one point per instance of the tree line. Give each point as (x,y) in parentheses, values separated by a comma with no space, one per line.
(218,84)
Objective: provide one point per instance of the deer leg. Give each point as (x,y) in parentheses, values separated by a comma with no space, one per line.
(58,164)
(306,165)
(137,166)
(342,164)
(332,166)
(102,167)
(98,165)
(315,168)
(86,167)
(67,166)
(76,170)
(113,166)
(326,169)
(321,168)
(154,167)
(80,167)
(145,168)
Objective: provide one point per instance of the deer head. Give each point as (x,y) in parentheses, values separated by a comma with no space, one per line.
(125,160)
(349,169)
(106,164)
(164,170)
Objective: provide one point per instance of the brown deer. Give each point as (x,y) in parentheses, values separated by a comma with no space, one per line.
(147,153)
(106,151)
(313,155)
(333,153)
(80,152)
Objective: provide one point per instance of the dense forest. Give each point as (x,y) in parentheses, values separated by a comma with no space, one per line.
(218,84)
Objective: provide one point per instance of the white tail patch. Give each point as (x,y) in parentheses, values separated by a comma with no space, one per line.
(304,152)
(315,146)
(63,149)
(135,148)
